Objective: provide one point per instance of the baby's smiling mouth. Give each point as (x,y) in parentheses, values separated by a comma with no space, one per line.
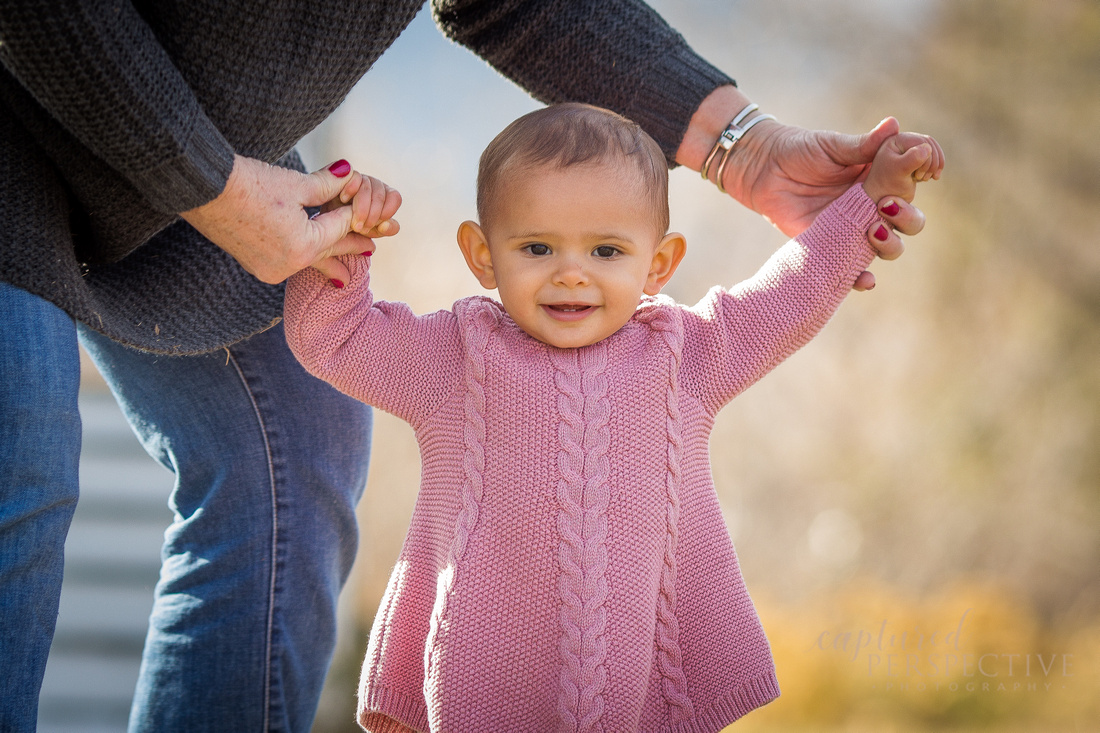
(567,312)
(568,307)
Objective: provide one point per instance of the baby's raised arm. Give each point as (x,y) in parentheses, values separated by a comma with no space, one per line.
(739,335)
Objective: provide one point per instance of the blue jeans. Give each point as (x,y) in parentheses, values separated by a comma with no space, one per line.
(269,465)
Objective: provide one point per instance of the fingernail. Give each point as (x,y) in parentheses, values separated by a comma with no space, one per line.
(384,227)
(340,168)
(336,283)
(366,254)
(872,286)
(882,233)
(891,209)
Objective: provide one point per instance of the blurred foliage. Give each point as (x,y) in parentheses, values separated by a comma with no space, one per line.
(967,658)
(977,488)
(1009,397)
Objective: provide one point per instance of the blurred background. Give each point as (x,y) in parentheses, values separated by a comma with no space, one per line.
(915,496)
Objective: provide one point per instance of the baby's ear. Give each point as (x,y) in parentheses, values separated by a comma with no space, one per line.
(666,258)
(475,248)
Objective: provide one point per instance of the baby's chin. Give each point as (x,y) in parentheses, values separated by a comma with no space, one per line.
(574,340)
(567,344)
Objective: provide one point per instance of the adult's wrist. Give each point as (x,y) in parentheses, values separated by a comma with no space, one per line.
(707,123)
(195,176)
(227,190)
(743,161)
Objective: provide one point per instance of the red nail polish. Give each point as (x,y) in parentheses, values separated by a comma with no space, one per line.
(366,254)
(882,233)
(891,209)
(336,283)
(340,168)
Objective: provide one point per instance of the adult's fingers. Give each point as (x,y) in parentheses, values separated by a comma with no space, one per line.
(888,244)
(328,228)
(353,244)
(865,281)
(326,184)
(333,223)
(873,140)
(847,150)
(332,267)
(901,215)
(335,270)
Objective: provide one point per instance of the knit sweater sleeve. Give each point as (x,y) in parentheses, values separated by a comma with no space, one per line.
(378,352)
(99,70)
(617,54)
(733,338)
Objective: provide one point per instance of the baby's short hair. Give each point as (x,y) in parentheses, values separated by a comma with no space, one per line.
(573,134)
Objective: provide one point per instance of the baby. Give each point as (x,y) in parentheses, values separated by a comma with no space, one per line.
(567,566)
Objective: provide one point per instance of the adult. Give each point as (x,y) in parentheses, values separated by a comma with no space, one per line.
(127,133)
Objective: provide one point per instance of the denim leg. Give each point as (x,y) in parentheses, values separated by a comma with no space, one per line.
(270,463)
(39,460)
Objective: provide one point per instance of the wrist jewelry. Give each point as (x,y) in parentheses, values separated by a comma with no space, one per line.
(729,137)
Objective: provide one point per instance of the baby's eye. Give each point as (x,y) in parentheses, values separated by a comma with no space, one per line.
(606,251)
(538,249)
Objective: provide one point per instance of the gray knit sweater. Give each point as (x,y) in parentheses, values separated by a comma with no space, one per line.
(115,116)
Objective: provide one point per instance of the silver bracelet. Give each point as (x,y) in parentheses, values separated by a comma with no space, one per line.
(729,137)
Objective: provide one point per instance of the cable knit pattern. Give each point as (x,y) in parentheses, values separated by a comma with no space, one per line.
(477,325)
(567,567)
(669,326)
(583,495)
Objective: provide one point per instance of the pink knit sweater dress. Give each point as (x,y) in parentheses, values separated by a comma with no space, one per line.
(567,567)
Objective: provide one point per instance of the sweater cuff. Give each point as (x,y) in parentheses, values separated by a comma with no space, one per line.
(844,223)
(194,177)
(857,207)
(677,84)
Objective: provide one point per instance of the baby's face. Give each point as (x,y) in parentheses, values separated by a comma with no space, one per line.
(573,250)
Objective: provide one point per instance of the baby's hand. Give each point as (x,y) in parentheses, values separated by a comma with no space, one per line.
(373,204)
(901,162)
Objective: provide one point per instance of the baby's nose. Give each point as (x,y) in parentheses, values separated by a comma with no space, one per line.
(570,272)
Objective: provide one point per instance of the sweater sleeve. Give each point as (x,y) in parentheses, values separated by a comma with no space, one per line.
(378,352)
(99,70)
(617,54)
(733,338)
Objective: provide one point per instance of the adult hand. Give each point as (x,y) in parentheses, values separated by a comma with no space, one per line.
(899,215)
(260,219)
(789,175)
